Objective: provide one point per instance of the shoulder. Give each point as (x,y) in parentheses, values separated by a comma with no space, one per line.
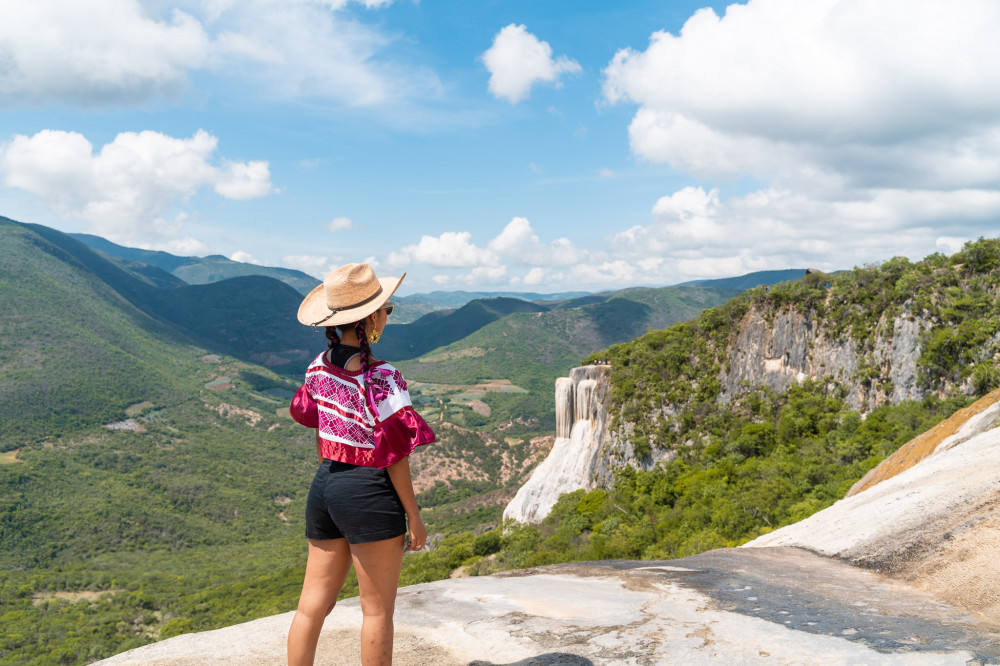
(389,370)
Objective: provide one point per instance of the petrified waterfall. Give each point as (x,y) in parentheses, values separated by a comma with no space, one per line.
(580,435)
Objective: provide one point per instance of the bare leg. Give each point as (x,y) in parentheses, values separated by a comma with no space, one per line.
(377,565)
(326,569)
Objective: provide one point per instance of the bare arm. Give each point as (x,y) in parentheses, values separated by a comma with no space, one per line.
(319,452)
(399,474)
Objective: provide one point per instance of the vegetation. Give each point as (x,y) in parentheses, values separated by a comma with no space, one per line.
(771,462)
(955,300)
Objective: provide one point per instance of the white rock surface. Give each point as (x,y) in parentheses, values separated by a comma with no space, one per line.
(580,435)
(627,613)
(935,525)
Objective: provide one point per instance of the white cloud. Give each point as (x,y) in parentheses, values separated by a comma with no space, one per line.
(184,247)
(535,276)
(244,257)
(519,242)
(868,142)
(450,249)
(606,174)
(340,224)
(124,190)
(517,60)
(120,52)
(480,275)
(314,265)
(94,52)
(778,86)
(309,49)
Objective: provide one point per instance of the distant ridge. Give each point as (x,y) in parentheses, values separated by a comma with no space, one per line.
(751,280)
(198,270)
(415,306)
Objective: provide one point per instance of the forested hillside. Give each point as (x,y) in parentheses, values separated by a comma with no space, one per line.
(743,459)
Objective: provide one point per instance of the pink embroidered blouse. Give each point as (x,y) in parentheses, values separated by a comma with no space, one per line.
(333,400)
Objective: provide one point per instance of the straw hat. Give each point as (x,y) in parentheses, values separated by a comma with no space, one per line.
(348,294)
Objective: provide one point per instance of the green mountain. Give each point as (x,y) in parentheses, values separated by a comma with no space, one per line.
(251,317)
(751,280)
(403,341)
(532,349)
(415,306)
(199,270)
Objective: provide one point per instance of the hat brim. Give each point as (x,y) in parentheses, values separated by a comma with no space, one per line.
(313,307)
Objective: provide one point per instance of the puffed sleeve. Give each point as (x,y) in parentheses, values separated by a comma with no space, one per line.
(303,408)
(399,429)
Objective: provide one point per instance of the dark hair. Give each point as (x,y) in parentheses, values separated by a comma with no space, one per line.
(372,391)
(332,336)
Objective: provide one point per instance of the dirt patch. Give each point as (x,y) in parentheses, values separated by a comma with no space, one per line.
(232,411)
(498,386)
(211,358)
(9,457)
(480,407)
(219,383)
(73,597)
(468,352)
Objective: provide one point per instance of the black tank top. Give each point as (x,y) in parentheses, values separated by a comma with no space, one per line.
(341,354)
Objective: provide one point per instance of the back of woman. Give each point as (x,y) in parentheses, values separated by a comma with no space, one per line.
(361,499)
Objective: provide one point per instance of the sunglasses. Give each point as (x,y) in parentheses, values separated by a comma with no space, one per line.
(389,305)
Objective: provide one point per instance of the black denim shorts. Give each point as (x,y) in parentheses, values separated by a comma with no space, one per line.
(354,502)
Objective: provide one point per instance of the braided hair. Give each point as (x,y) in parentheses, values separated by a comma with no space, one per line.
(374,390)
(331,335)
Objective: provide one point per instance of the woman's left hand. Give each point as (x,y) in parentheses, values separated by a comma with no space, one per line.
(418,534)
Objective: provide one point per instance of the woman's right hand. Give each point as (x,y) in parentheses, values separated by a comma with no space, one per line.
(418,534)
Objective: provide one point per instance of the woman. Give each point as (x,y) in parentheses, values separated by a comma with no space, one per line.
(361,498)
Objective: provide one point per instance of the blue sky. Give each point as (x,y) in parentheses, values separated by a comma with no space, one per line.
(507,144)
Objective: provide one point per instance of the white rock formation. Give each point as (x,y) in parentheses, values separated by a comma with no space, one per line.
(750,606)
(580,435)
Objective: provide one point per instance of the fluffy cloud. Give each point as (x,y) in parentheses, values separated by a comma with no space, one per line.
(517,60)
(244,257)
(95,52)
(823,84)
(307,263)
(866,140)
(519,242)
(453,249)
(126,188)
(120,52)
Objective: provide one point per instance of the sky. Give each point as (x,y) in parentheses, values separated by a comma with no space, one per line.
(507,145)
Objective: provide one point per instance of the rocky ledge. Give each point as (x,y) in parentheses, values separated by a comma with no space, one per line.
(734,606)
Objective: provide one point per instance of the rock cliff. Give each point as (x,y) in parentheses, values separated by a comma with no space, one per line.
(768,347)
(777,348)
